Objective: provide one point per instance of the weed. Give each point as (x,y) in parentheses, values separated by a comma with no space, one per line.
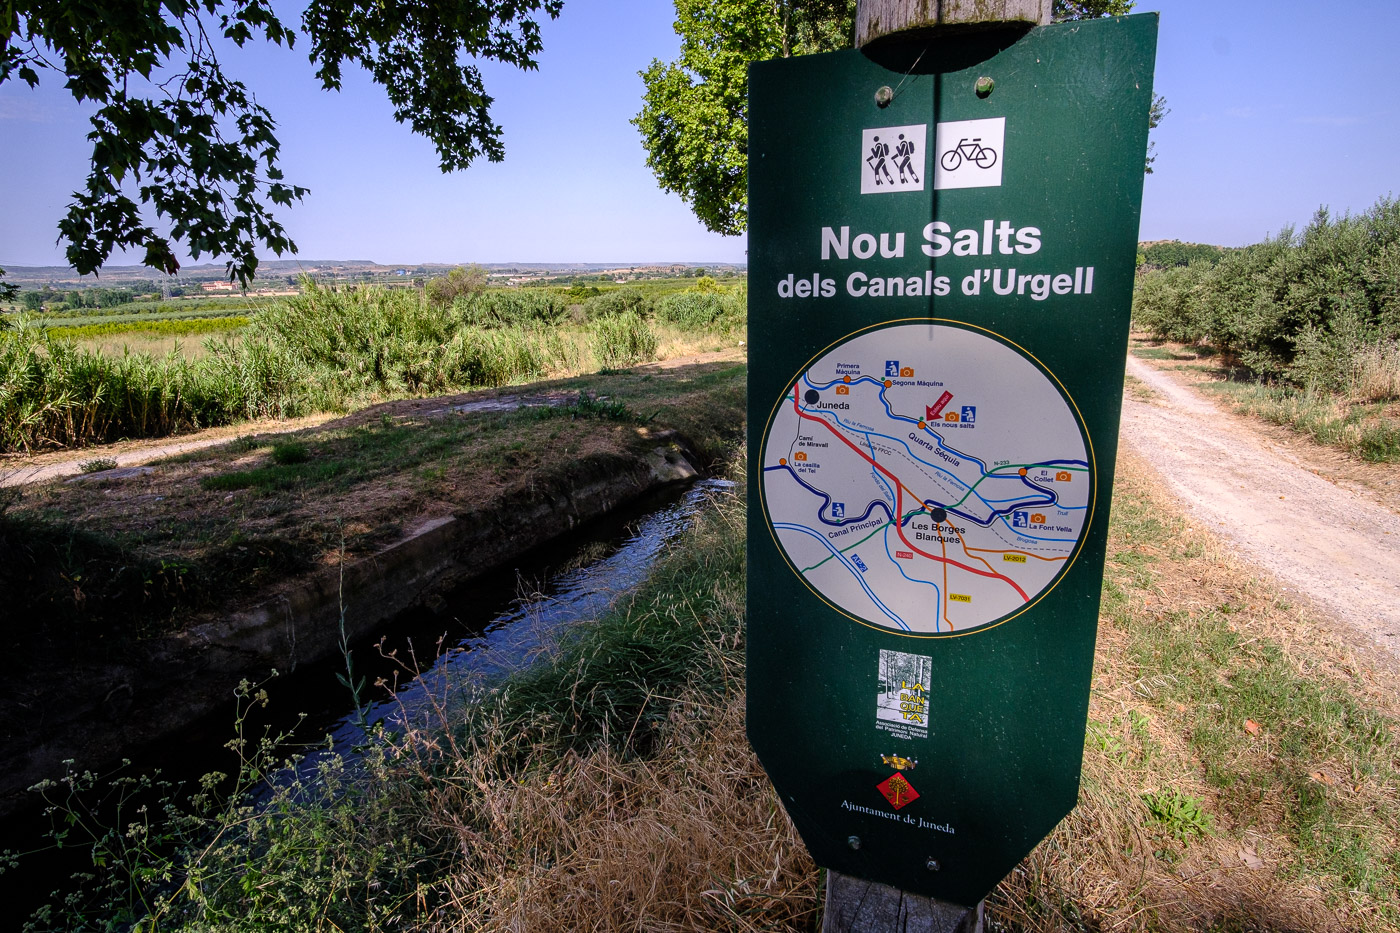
(1099,736)
(1324,418)
(587,407)
(1380,442)
(1181,816)
(97,465)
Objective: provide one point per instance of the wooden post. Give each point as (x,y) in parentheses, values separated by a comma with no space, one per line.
(856,906)
(852,904)
(878,19)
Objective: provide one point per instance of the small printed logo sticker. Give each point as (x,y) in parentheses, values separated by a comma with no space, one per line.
(897,790)
(901,703)
(969,153)
(892,158)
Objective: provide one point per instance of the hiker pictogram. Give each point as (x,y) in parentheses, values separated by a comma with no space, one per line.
(879,152)
(903,156)
(892,158)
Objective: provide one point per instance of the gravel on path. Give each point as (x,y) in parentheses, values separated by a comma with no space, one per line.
(1320,539)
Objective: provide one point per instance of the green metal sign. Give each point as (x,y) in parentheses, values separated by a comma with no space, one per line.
(939,296)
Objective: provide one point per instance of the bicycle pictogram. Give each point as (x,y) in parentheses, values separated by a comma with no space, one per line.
(970,149)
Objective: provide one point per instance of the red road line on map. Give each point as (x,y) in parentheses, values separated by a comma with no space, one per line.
(899,509)
(938,526)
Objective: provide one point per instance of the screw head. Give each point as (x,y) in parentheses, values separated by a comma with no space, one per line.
(932,864)
(853,842)
(884,95)
(984,87)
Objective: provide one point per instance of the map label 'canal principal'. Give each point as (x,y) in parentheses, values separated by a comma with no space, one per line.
(939,298)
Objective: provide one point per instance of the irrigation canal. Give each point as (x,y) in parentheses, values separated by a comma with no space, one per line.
(469,638)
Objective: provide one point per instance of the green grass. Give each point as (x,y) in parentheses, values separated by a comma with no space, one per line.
(290,452)
(1223,677)
(69,321)
(182,327)
(1174,354)
(1364,430)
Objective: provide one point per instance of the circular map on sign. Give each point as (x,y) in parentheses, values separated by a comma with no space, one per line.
(927,478)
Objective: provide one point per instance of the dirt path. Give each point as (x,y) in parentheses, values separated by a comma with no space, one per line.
(20,470)
(1332,544)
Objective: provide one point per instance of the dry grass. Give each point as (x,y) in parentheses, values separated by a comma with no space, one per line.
(691,839)
(570,813)
(612,789)
(1136,388)
(1363,419)
(673,342)
(1375,373)
(154,345)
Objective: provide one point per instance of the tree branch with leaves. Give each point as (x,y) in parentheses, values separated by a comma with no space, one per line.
(184,155)
(694,119)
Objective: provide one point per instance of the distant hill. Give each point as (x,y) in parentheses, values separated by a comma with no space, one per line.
(352,269)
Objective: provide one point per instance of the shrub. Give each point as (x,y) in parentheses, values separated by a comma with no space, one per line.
(458,283)
(1298,306)
(1167,253)
(621,340)
(619,301)
(691,309)
(1168,304)
(508,308)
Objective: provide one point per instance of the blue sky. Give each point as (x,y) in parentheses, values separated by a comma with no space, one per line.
(1276,109)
